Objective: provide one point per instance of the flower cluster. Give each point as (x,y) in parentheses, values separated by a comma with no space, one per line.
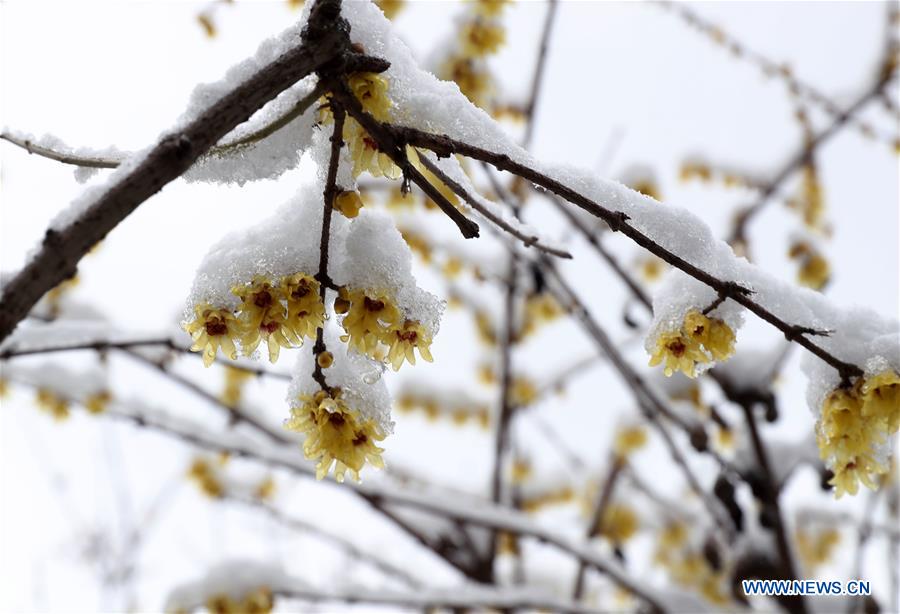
(206,477)
(371,89)
(700,340)
(480,35)
(52,403)
(457,411)
(814,271)
(259,601)
(282,313)
(335,434)
(855,422)
(688,566)
(374,322)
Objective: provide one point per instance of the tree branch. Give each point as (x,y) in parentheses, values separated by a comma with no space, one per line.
(57,258)
(443,145)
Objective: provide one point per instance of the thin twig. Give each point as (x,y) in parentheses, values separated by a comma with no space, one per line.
(459,190)
(596,522)
(443,145)
(388,144)
(328,196)
(57,258)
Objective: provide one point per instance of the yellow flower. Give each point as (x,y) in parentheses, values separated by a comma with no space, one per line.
(490,8)
(348,204)
(369,320)
(816,548)
(485,328)
(263,316)
(234,385)
(335,435)
(259,601)
(628,440)
(305,310)
(881,399)
(266,489)
(713,334)
(522,392)
(55,405)
(4,387)
(452,267)
(680,352)
(619,523)
(480,38)
(473,79)
(96,403)
(700,340)
(206,478)
(371,90)
(814,269)
(390,8)
(849,430)
(212,329)
(651,268)
(540,308)
(507,544)
(412,335)
(521,471)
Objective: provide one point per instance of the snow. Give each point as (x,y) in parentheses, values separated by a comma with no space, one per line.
(358,377)
(234,578)
(424,102)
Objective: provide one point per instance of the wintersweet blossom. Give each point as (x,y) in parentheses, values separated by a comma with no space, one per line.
(700,340)
(370,317)
(305,309)
(212,329)
(371,89)
(259,601)
(856,422)
(817,547)
(619,523)
(264,317)
(481,37)
(628,440)
(335,435)
(407,338)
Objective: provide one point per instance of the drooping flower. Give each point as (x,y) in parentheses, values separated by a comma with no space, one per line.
(407,338)
(305,309)
(234,385)
(629,439)
(97,402)
(263,316)
(713,334)
(490,8)
(212,329)
(848,433)
(371,89)
(481,37)
(679,351)
(472,77)
(348,204)
(370,318)
(700,340)
(52,403)
(881,399)
(619,523)
(335,435)
(816,547)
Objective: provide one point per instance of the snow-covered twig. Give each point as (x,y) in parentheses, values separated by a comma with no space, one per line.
(145,173)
